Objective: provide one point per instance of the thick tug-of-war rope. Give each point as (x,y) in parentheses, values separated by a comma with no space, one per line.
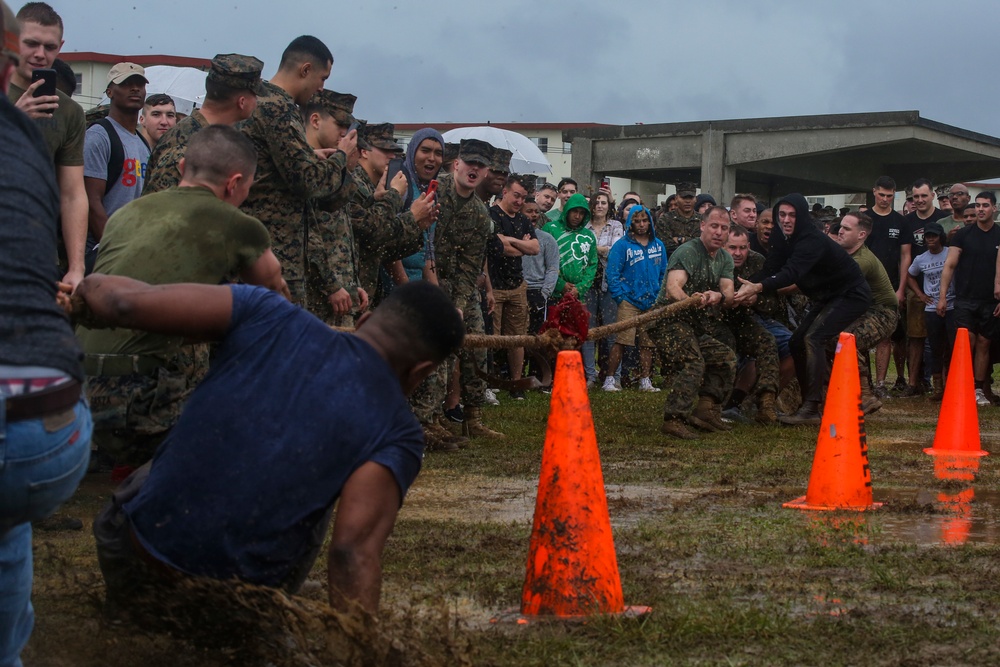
(559,335)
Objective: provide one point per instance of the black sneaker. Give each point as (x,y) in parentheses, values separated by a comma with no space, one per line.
(517,395)
(455,414)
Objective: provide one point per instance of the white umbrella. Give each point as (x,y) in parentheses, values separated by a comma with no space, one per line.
(186,85)
(528,158)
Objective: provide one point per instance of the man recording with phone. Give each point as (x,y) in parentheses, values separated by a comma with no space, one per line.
(62,124)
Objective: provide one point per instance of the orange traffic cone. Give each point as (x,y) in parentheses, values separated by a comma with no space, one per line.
(840,478)
(958,422)
(572,568)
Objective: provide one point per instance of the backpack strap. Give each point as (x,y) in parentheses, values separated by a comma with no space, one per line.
(117,159)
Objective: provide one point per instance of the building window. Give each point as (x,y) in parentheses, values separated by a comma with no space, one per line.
(79,84)
(567,147)
(542,143)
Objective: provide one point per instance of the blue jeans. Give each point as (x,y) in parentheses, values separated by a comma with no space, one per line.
(603,310)
(41,463)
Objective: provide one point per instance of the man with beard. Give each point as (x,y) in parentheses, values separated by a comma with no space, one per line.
(802,255)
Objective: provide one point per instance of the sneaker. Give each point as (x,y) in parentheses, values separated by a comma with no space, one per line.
(900,385)
(455,414)
(912,391)
(591,383)
(490,397)
(609,384)
(880,391)
(734,415)
(517,395)
(981,399)
(645,384)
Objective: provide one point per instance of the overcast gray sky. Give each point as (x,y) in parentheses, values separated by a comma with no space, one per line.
(589,61)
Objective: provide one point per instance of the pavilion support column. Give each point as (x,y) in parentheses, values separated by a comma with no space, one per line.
(583,166)
(717,179)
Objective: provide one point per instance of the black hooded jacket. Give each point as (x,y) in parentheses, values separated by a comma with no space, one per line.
(808,258)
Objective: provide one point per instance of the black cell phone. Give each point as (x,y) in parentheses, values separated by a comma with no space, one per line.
(356,125)
(395,166)
(49,77)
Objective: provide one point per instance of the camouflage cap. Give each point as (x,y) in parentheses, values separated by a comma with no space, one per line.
(237,71)
(943,192)
(11,30)
(338,105)
(687,189)
(450,152)
(501,160)
(380,136)
(476,151)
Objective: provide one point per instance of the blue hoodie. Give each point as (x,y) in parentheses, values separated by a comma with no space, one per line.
(635,271)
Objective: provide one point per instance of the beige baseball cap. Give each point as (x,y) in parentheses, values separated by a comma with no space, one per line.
(122,71)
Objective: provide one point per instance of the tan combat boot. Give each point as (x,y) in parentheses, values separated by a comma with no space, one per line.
(869,402)
(676,428)
(437,439)
(708,416)
(767,413)
(473,426)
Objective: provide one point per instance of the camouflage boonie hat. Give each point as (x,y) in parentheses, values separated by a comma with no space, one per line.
(237,71)
(501,160)
(687,189)
(450,152)
(476,151)
(380,136)
(11,34)
(338,105)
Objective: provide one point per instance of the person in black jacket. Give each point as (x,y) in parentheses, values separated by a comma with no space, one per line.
(802,255)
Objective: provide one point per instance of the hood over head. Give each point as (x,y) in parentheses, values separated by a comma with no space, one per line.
(576,201)
(636,209)
(803,217)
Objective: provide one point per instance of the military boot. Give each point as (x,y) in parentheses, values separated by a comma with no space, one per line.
(449,435)
(437,440)
(938,381)
(869,403)
(767,414)
(473,426)
(676,428)
(708,416)
(808,414)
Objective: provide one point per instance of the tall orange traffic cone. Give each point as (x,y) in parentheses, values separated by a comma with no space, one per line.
(572,568)
(958,422)
(840,478)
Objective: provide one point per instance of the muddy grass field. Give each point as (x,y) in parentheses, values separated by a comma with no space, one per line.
(701,537)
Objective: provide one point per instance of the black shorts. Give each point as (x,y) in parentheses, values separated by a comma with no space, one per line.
(977,317)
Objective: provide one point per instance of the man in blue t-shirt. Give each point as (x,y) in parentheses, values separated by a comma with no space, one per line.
(291,417)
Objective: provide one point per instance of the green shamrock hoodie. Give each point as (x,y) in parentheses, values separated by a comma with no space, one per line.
(577,248)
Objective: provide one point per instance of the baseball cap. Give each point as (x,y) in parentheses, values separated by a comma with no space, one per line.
(123,71)
(933,228)
(237,71)
(476,151)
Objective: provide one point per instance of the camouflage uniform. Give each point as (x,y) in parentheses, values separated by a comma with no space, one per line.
(748,337)
(698,361)
(229,69)
(381,232)
(675,230)
(162,171)
(289,174)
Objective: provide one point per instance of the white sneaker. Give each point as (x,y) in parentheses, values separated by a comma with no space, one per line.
(645,384)
(491,398)
(981,399)
(609,384)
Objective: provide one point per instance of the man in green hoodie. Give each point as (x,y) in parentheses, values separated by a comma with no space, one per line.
(577,247)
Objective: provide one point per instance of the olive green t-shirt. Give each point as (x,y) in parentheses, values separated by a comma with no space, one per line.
(878,279)
(179,235)
(63,133)
(704,271)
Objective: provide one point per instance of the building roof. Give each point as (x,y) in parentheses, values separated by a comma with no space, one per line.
(516,127)
(111,58)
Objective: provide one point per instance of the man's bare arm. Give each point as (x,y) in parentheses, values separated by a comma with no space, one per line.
(676,280)
(954,254)
(97,217)
(266,272)
(365,516)
(73,211)
(200,312)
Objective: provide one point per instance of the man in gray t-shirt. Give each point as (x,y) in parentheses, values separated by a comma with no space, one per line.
(101,153)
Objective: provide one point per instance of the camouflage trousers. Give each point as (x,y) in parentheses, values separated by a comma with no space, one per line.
(698,362)
(875,325)
(748,338)
(427,399)
(133,413)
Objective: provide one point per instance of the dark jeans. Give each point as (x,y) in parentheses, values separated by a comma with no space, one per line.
(941,336)
(824,321)
(537,310)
